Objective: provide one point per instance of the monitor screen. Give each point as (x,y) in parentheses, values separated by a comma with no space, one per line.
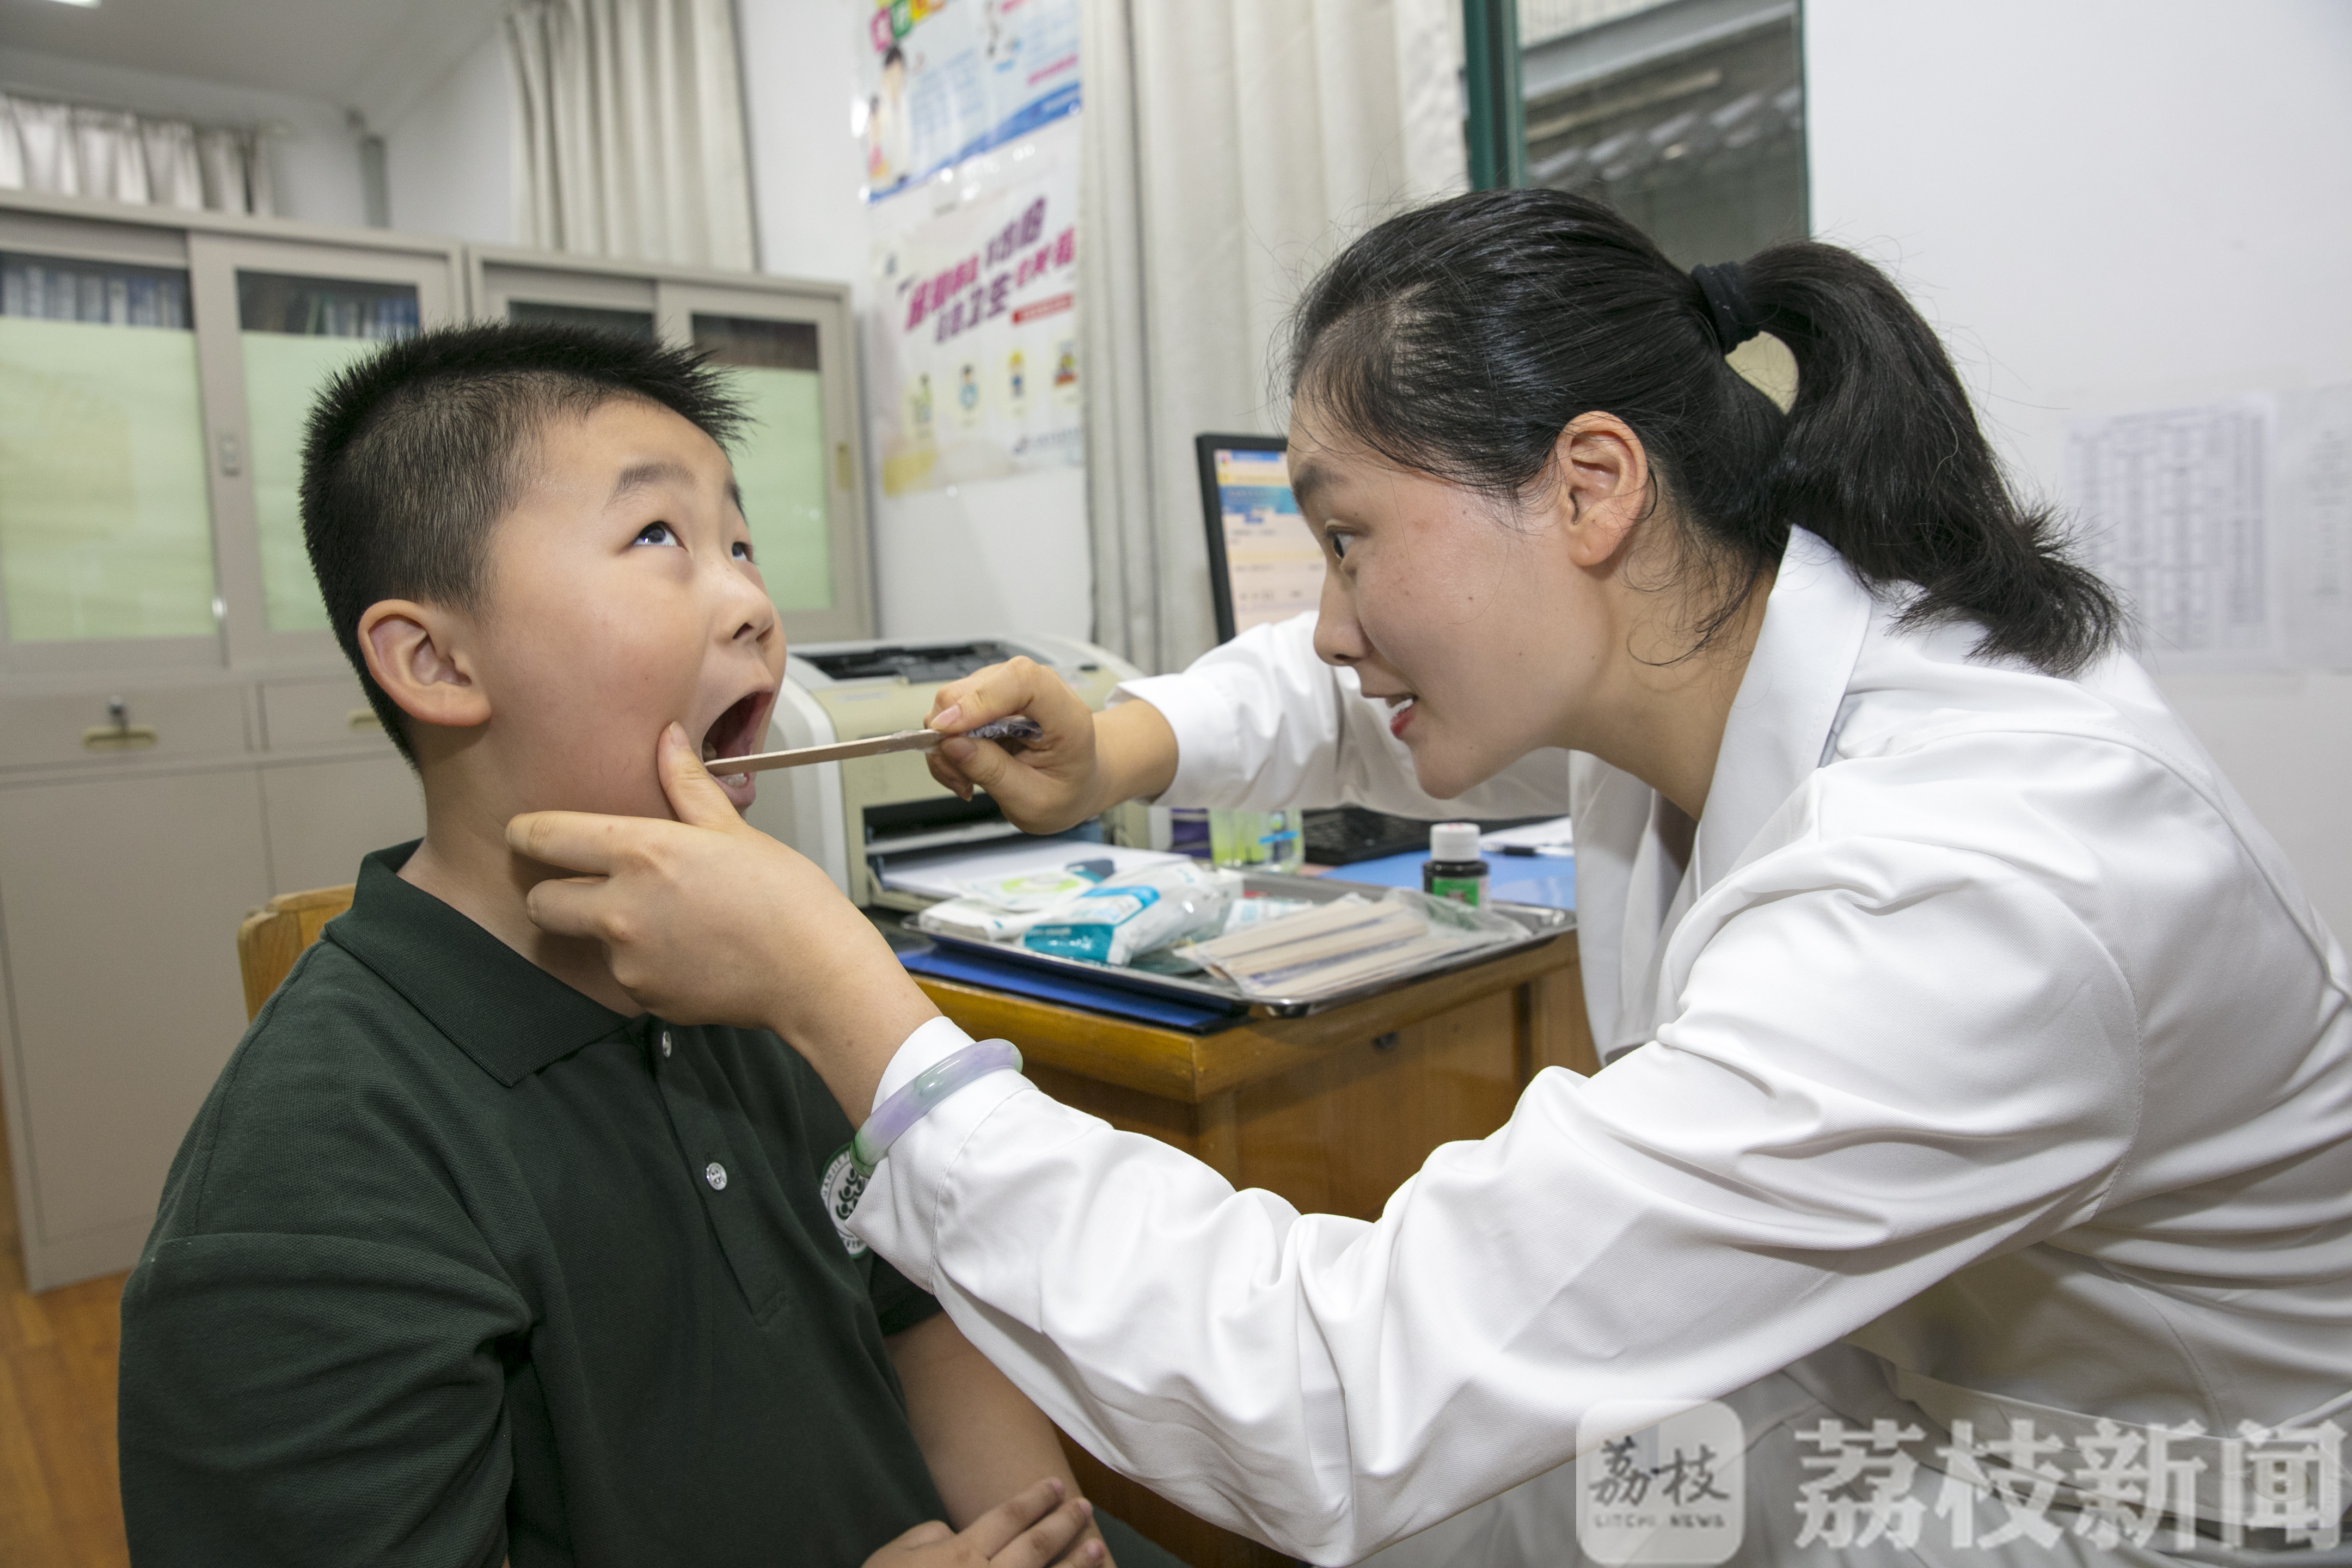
(1274,568)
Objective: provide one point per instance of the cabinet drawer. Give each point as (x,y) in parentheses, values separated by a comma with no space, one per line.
(301,715)
(156,721)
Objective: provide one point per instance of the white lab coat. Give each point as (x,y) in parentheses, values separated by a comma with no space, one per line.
(1985,1040)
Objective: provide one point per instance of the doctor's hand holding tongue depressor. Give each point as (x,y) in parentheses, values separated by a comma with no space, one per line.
(1080,767)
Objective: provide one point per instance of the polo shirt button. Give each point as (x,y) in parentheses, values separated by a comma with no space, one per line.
(665,1043)
(716,1174)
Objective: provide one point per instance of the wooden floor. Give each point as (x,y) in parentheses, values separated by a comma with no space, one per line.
(60,1495)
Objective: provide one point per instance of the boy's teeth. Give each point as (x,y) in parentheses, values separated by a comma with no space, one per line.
(709,748)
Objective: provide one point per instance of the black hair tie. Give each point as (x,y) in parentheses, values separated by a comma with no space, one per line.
(1729,309)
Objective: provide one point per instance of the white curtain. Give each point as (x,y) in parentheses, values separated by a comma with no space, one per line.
(630,140)
(76,150)
(1230,146)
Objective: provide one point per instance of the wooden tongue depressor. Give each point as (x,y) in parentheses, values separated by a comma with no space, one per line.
(842,751)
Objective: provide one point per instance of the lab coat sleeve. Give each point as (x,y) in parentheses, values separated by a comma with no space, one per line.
(1261,722)
(1883,1064)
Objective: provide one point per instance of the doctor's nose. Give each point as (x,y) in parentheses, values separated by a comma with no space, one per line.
(1337,639)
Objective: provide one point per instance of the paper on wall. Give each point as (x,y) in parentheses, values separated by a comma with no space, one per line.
(2172,506)
(2227,527)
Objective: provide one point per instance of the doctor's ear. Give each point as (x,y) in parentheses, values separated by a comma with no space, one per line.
(1602,478)
(414,652)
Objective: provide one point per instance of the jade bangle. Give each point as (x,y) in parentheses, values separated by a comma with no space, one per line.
(934,1084)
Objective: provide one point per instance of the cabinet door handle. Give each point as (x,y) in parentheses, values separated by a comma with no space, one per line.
(119,738)
(362,720)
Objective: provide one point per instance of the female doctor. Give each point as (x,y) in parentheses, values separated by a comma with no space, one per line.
(1974,1062)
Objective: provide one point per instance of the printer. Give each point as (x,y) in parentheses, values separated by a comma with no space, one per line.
(854,817)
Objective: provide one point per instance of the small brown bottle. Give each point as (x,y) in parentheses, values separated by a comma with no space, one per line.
(1454,869)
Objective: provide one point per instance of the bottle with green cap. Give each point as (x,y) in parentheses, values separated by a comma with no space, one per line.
(1454,869)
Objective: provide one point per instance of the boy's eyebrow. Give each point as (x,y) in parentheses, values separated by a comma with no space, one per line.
(645,475)
(661,471)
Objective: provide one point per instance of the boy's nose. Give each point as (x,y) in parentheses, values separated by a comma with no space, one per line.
(754,614)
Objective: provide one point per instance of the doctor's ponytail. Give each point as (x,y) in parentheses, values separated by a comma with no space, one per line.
(1459,339)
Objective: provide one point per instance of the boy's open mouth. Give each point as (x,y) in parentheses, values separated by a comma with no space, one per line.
(737,732)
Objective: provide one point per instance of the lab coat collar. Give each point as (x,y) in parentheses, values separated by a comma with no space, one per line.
(1781,725)
(1785,716)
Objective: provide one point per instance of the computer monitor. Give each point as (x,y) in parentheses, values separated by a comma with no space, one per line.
(1264,565)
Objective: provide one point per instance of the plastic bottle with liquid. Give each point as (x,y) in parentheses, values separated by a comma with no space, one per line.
(1454,869)
(1258,840)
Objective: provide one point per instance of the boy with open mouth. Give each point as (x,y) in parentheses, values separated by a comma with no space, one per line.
(466,1259)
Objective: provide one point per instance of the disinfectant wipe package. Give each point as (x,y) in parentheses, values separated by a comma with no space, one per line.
(1135,912)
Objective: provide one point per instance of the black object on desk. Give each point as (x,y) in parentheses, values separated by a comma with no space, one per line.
(1343,834)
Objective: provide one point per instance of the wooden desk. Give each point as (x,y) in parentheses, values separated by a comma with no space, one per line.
(1332,1111)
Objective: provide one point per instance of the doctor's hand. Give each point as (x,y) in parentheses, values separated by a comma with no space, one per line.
(1029,1530)
(1085,763)
(706,920)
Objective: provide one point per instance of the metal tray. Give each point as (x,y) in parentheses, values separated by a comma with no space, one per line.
(1542,924)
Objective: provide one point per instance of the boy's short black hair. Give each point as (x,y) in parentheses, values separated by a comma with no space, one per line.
(413,452)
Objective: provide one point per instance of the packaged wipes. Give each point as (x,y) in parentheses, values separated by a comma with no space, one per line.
(1135,912)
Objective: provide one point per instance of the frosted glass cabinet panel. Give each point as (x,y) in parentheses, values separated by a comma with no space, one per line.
(628,323)
(296,333)
(780,464)
(278,320)
(106,531)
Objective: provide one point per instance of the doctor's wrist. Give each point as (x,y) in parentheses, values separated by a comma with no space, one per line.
(1135,756)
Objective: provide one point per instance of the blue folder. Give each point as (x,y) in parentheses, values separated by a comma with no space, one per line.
(1071,990)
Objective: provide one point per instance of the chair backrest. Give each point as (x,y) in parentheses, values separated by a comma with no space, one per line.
(272,937)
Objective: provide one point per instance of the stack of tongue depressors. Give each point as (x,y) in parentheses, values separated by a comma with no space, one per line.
(1352,943)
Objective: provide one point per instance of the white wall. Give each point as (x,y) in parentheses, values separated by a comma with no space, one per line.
(995,556)
(314,163)
(2118,204)
(449,159)
(799,78)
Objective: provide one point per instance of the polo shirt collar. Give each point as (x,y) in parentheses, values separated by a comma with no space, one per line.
(509,1016)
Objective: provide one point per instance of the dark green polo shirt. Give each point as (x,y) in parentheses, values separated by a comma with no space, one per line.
(456,1263)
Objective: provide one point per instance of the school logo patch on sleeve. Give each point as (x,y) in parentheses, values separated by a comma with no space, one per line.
(840,1191)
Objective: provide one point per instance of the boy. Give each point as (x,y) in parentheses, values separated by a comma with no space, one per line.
(465,1258)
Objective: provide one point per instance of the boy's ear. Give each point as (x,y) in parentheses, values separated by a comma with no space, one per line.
(415,654)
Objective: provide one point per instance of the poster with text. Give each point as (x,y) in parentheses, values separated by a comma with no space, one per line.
(974,330)
(944,79)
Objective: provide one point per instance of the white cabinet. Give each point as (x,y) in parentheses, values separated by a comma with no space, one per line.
(322,816)
(119,898)
(179,735)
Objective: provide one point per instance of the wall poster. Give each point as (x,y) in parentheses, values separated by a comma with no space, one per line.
(945,79)
(974,334)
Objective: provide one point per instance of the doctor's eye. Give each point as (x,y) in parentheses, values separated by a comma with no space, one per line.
(1338,542)
(656,534)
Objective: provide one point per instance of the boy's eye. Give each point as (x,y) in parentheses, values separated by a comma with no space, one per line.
(1339,546)
(743,549)
(656,534)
